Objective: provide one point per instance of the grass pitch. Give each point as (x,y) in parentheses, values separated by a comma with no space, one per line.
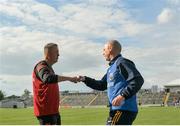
(93,116)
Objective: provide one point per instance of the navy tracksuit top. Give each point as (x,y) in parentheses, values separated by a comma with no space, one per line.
(122,78)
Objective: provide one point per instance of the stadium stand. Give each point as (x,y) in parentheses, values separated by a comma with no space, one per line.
(100,98)
(77,99)
(97,99)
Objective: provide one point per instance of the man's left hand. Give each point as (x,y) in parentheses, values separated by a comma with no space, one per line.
(117,100)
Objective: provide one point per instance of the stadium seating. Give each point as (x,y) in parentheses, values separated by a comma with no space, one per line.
(100,98)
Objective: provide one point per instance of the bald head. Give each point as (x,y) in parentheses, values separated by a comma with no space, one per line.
(111,49)
(115,46)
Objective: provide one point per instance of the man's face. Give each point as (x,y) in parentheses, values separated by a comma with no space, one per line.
(53,54)
(106,52)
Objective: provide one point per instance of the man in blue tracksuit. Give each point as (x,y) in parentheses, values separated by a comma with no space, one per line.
(122,82)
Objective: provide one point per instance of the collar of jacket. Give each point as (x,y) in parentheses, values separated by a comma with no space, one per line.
(114,59)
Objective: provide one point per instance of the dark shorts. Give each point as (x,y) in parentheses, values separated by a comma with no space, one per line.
(54,119)
(120,117)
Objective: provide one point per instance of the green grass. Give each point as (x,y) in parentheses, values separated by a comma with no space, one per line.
(158,116)
(90,116)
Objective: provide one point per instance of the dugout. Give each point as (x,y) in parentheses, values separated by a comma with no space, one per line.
(12,103)
(173,86)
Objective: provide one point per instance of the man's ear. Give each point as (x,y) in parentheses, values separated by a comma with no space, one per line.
(46,56)
(110,49)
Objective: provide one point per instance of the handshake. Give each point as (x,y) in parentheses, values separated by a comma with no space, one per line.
(77,79)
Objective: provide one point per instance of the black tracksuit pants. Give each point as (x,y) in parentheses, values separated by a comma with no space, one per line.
(121,117)
(54,119)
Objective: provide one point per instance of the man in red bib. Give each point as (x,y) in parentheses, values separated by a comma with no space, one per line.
(46,89)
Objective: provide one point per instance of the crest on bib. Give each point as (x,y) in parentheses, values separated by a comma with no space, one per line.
(111,76)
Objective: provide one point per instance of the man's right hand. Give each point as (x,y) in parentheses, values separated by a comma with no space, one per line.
(81,78)
(74,79)
(77,79)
